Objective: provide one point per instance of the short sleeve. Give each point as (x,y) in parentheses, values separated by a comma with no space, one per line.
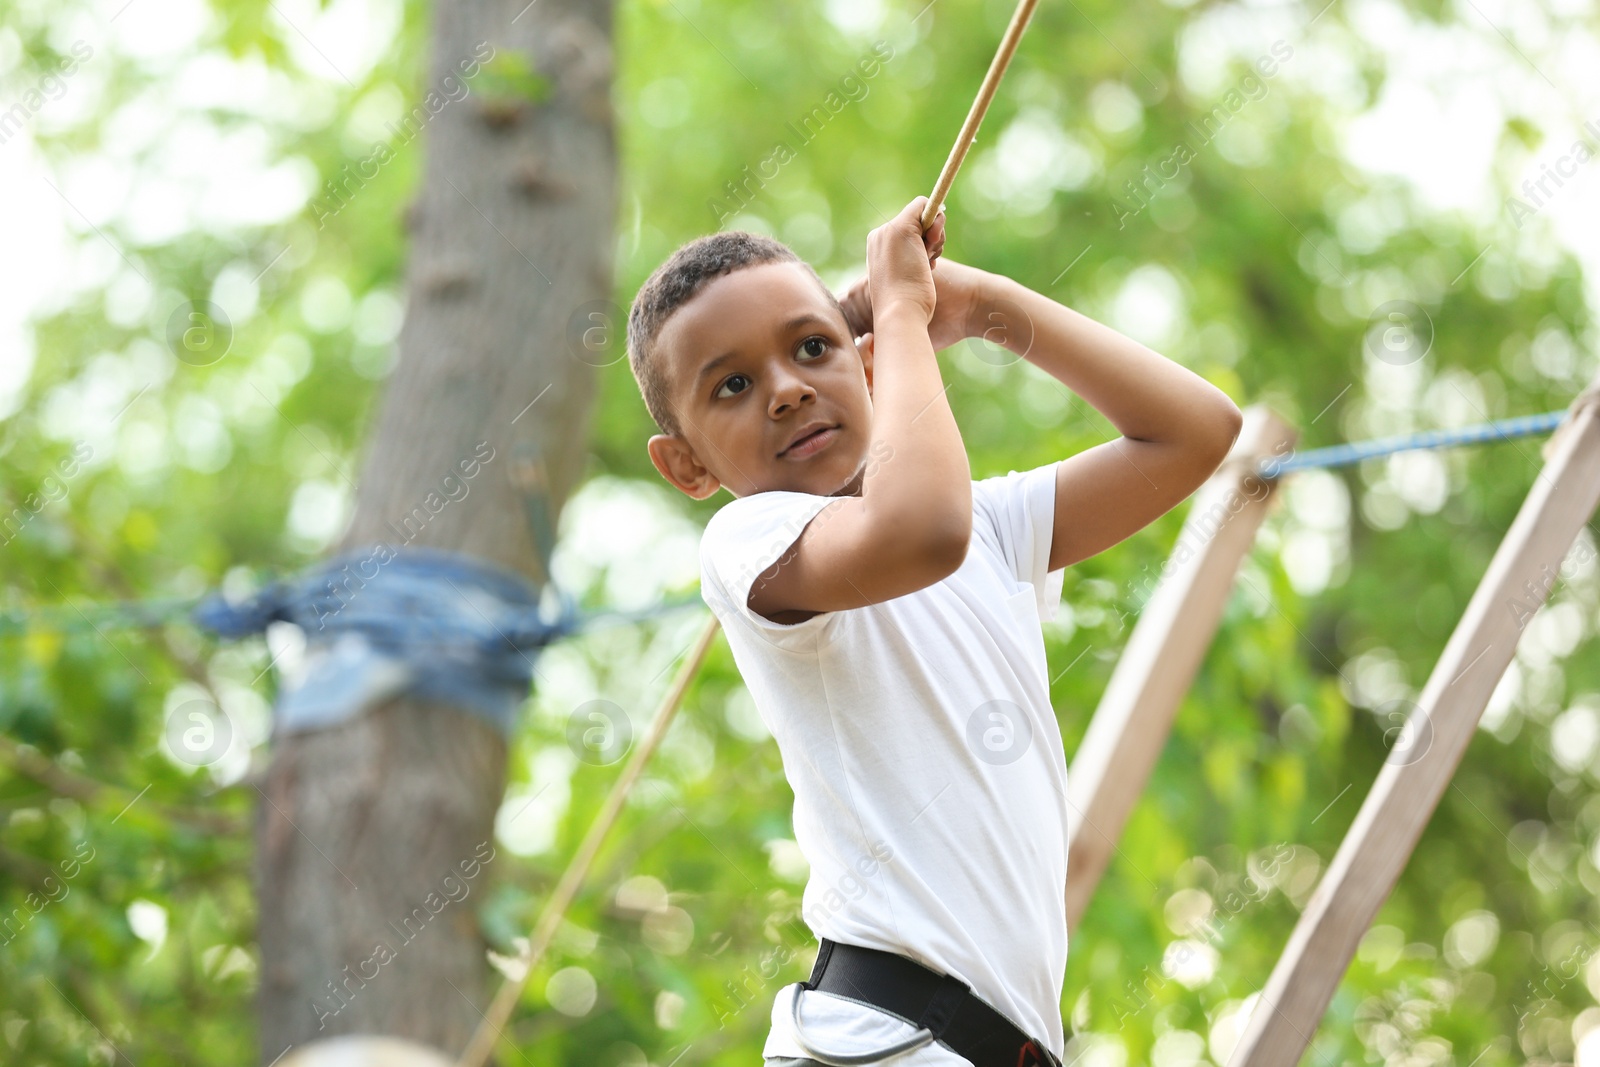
(743,541)
(1020,508)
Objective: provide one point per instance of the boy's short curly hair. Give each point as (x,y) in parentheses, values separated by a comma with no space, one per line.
(673,284)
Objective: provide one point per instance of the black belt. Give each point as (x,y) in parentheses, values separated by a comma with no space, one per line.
(941,1004)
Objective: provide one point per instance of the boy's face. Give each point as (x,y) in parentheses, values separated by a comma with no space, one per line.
(769,388)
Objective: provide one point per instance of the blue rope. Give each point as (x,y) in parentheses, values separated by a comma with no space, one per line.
(1344,455)
(531,629)
(122,614)
(242,620)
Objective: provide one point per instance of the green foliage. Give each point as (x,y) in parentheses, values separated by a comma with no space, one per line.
(511,75)
(1270,252)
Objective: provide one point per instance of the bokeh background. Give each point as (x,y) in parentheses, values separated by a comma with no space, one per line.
(1391,160)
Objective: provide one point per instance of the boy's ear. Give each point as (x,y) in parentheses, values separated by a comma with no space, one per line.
(679,465)
(865,347)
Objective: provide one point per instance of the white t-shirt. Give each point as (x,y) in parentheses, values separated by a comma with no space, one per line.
(927,766)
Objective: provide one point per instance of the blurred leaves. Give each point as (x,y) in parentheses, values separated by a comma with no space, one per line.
(511,74)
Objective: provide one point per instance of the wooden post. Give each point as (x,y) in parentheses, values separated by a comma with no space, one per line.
(1163,654)
(1408,787)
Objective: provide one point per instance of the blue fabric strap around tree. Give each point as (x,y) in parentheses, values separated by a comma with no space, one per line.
(382,624)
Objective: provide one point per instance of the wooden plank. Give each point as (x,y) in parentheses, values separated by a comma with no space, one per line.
(1163,654)
(1409,786)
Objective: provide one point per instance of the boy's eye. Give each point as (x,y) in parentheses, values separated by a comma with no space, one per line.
(733,384)
(814,346)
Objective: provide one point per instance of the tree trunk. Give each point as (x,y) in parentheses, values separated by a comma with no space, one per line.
(511,243)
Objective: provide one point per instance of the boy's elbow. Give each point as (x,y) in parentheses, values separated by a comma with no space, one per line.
(1227,421)
(1233,422)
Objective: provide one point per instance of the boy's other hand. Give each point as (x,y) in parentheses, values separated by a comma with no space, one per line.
(900,260)
(957,289)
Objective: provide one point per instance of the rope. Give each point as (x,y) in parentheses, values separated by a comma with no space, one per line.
(126,614)
(555,909)
(986,91)
(141,614)
(120,614)
(1355,452)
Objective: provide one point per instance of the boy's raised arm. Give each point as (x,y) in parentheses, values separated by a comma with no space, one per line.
(1176,427)
(910,526)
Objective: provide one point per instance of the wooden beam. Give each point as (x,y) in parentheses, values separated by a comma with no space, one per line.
(1163,654)
(1409,786)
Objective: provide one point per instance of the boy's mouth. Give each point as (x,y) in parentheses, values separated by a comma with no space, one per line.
(809,440)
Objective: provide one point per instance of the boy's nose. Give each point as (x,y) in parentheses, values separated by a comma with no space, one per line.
(789,390)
